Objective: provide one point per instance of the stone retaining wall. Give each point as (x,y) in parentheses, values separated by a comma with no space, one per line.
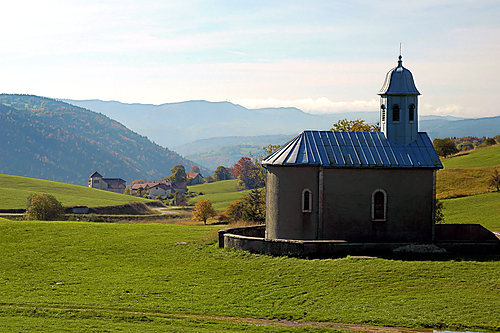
(252,239)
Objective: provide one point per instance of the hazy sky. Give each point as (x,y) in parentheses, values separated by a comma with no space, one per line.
(320,56)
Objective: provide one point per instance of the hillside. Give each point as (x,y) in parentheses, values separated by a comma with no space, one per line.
(14,190)
(467,173)
(49,139)
(220,194)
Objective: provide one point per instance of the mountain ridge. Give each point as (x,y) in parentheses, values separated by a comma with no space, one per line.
(50,139)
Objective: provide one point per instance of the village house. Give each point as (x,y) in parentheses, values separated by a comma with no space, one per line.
(194,178)
(116,185)
(152,189)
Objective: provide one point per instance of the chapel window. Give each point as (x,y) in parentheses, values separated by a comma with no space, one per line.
(306,201)
(379,205)
(395,112)
(411,113)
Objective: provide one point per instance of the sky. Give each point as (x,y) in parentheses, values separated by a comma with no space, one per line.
(319,56)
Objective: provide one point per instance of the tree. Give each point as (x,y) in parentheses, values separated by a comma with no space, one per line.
(203,210)
(494,180)
(249,173)
(178,174)
(254,206)
(269,149)
(358,125)
(223,173)
(235,210)
(445,147)
(438,212)
(44,207)
(179,199)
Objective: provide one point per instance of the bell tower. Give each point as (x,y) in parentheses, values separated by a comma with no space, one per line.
(399,106)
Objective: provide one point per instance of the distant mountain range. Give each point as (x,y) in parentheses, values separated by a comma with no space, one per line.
(219,133)
(49,139)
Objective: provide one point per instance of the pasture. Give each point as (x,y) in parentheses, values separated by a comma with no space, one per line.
(220,194)
(145,277)
(15,190)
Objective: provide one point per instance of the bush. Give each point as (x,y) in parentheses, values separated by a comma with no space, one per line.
(44,207)
(438,212)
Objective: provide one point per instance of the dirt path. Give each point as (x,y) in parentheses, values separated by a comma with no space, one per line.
(244,320)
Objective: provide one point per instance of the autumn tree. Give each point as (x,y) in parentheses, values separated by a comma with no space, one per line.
(235,210)
(358,125)
(249,173)
(44,207)
(494,180)
(178,174)
(445,147)
(223,173)
(203,210)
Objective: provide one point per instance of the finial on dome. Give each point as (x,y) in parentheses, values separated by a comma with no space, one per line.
(400,62)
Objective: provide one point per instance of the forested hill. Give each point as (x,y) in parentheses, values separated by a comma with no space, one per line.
(49,139)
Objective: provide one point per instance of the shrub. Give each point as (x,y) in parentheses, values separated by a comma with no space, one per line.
(44,207)
(438,212)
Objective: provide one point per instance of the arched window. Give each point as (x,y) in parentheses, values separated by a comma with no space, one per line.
(382,110)
(306,201)
(379,205)
(395,112)
(411,113)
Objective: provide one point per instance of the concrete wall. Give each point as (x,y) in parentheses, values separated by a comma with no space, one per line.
(347,204)
(246,238)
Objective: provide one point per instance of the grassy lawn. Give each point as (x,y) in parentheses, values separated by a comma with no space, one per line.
(481,208)
(78,273)
(14,190)
(482,157)
(220,194)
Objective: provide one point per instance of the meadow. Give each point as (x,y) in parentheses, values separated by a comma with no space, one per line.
(467,173)
(220,194)
(16,189)
(482,208)
(147,277)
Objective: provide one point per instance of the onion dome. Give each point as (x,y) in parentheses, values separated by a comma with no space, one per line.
(399,81)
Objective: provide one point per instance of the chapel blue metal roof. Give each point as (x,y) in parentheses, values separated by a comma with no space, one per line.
(354,150)
(399,81)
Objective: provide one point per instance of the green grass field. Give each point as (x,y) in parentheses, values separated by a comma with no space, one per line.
(14,190)
(135,277)
(220,194)
(481,208)
(467,174)
(483,157)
